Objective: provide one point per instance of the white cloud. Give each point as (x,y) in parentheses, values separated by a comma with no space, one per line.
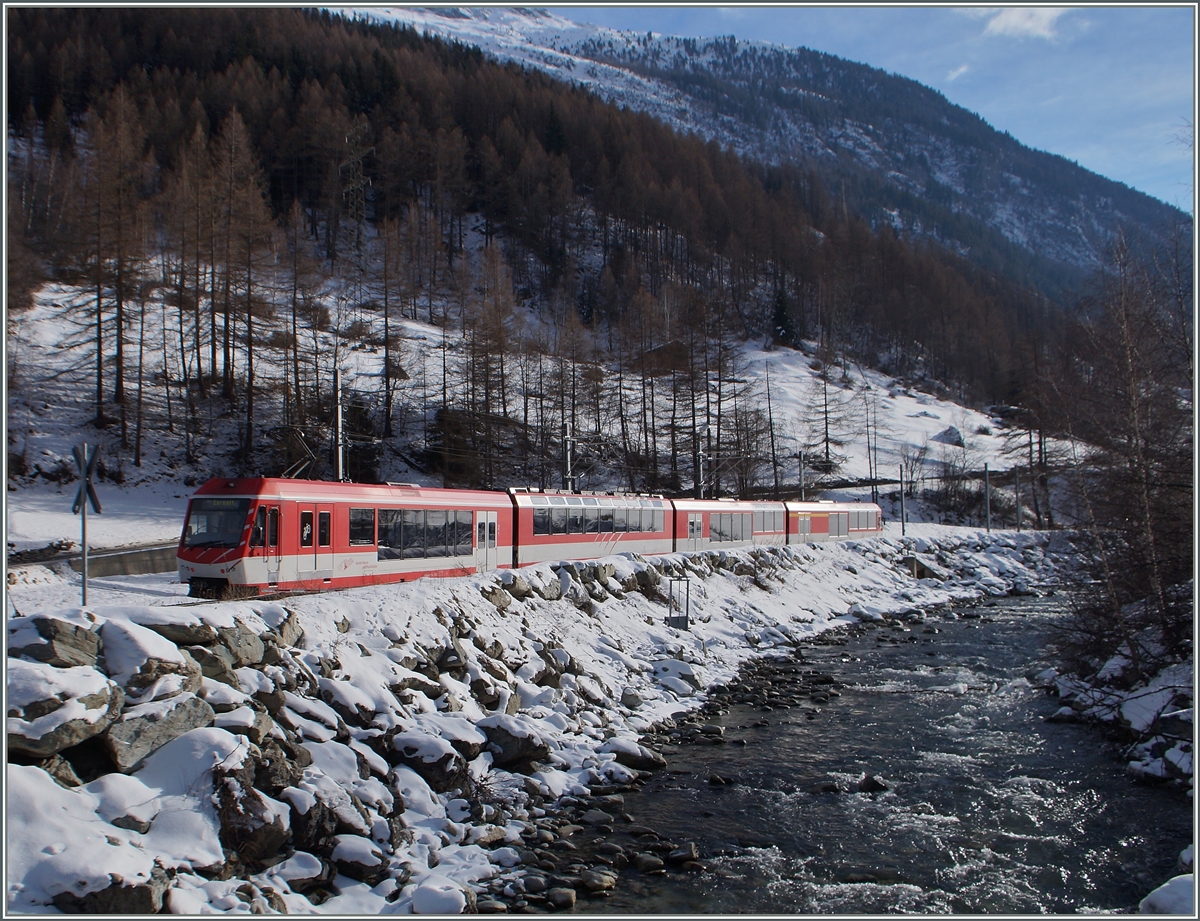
(1025,22)
(957,72)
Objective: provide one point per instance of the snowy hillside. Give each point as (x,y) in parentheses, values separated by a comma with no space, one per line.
(50,407)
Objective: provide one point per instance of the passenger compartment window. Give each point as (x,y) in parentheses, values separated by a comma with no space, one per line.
(362,526)
(306,529)
(323,528)
(462,539)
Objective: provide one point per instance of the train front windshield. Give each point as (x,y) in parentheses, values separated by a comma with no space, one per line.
(215,523)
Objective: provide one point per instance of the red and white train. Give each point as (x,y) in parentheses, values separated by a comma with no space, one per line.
(257,535)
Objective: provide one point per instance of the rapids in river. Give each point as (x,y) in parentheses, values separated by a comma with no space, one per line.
(988,808)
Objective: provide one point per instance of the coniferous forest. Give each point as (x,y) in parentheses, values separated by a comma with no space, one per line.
(293,186)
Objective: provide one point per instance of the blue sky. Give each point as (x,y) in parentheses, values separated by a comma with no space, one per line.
(1111,87)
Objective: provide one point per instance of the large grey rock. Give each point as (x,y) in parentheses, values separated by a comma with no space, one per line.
(517,586)
(197,634)
(245,645)
(255,725)
(145,728)
(512,743)
(322,808)
(52,709)
(119,898)
(561,898)
(433,758)
(290,630)
(497,596)
(279,765)
(599,880)
(551,590)
(145,664)
(53,641)
(216,663)
(253,825)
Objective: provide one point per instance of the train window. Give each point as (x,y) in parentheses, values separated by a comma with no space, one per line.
(539,500)
(306,529)
(575,519)
(591,520)
(413,537)
(558,520)
(759,522)
(541,521)
(558,500)
(435,533)
(481,539)
(606,520)
(462,536)
(634,516)
(273,528)
(260,522)
(391,533)
(590,501)
(323,528)
(619,520)
(491,534)
(362,526)
(215,522)
(658,519)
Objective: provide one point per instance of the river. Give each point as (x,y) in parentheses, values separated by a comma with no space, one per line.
(988,807)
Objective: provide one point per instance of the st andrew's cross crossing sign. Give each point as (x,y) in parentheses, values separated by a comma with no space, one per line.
(87,466)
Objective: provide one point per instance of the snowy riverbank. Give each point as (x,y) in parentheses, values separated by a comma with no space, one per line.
(405,748)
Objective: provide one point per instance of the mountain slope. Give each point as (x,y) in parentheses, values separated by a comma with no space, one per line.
(898,152)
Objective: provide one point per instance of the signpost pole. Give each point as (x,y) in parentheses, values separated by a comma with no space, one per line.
(987,496)
(83,536)
(85,497)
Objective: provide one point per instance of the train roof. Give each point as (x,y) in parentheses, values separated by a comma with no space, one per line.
(332,491)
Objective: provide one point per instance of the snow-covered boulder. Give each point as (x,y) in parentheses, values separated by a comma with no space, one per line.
(633,754)
(53,641)
(359,858)
(72,856)
(1174,897)
(513,741)
(431,756)
(148,666)
(51,709)
(147,727)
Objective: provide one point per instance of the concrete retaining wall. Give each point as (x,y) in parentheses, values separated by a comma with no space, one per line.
(128,562)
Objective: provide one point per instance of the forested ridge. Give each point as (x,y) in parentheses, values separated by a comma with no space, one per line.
(432,124)
(284,188)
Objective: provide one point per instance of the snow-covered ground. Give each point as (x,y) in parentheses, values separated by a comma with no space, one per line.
(385,688)
(49,412)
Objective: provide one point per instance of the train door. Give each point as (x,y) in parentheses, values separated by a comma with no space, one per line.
(485,541)
(324,549)
(695,539)
(273,545)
